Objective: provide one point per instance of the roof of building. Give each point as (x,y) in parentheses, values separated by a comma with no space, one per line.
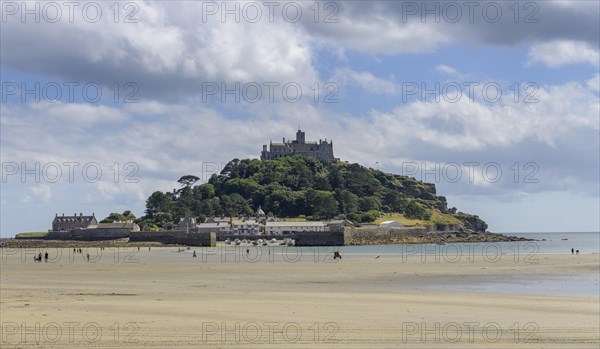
(259,212)
(295,224)
(244,222)
(75,217)
(339,221)
(213,225)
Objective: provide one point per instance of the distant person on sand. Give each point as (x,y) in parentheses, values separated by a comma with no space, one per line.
(46,256)
(572,251)
(577,252)
(247,251)
(194,255)
(88,257)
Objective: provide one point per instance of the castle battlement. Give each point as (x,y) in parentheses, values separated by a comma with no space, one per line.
(322,150)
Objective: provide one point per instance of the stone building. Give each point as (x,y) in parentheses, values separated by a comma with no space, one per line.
(339,224)
(187,223)
(322,150)
(65,223)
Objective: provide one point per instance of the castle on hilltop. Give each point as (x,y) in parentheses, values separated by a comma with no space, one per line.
(322,150)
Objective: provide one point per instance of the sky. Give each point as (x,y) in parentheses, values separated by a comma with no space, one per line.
(497,103)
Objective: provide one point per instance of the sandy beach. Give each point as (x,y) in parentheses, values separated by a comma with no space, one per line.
(125,298)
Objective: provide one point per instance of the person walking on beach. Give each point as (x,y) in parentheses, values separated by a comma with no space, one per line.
(194,255)
(88,257)
(572,251)
(46,257)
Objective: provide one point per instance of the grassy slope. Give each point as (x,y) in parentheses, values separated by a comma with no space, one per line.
(436,217)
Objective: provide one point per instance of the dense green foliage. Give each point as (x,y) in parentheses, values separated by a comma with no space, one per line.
(119,217)
(296,186)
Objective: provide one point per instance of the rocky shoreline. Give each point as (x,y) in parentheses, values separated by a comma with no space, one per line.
(41,243)
(411,237)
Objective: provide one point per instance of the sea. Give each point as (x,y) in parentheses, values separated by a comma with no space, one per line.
(544,243)
(586,284)
(519,252)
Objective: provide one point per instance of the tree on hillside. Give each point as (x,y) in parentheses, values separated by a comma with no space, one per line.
(188,180)
(158,202)
(296,186)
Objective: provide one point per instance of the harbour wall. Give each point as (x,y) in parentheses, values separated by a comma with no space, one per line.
(88,234)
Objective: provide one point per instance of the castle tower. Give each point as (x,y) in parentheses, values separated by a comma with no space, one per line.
(322,150)
(300,137)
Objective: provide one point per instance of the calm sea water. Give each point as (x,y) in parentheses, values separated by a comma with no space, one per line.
(545,243)
(521,252)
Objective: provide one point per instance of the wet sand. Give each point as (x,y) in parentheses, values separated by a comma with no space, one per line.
(125,298)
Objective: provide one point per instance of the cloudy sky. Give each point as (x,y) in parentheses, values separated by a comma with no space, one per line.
(496,103)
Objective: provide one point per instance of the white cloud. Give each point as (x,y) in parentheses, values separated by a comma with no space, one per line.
(561,113)
(168,52)
(365,80)
(563,52)
(594,83)
(41,192)
(448,70)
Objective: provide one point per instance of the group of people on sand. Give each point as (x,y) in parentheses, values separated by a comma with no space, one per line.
(38,258)
(80,251)
(573,251)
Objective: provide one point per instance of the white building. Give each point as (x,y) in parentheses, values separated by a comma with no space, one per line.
(283,228)
(245,227)
(390,224)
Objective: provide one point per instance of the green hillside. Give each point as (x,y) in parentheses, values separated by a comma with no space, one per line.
(304,187)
